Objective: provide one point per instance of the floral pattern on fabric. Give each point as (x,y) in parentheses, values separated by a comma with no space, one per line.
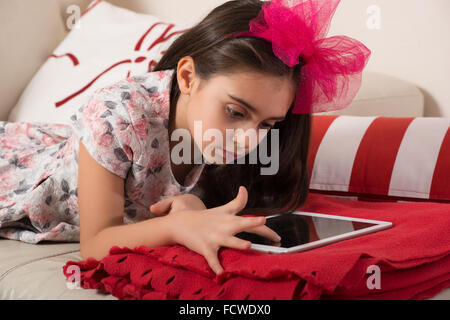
(124,127)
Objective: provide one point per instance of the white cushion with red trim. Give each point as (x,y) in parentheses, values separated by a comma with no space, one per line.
(106,45)
(380,158)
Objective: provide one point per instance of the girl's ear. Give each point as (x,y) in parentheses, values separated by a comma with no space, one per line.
(186,75)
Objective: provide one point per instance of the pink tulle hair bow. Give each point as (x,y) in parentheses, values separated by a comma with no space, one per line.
(332,68)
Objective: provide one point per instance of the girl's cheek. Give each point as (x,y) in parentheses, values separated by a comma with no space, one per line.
(261,137)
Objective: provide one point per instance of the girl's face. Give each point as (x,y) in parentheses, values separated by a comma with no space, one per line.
(250,101)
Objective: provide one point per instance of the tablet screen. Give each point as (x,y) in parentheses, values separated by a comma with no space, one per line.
(296,229)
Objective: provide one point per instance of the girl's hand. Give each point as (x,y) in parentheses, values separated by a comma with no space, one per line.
(177,203)
(205,231)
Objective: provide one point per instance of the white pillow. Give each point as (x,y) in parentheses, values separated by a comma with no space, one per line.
(103,48)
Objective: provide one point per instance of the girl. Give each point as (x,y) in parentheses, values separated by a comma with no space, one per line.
(110,178)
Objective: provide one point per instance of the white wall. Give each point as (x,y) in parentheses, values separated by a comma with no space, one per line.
(23,46)
(413,43)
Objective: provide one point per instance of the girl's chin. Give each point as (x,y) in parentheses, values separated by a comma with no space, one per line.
(219,162)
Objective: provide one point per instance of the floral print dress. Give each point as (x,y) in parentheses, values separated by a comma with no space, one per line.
(125,129)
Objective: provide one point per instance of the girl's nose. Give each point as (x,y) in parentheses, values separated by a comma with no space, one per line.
(242,138)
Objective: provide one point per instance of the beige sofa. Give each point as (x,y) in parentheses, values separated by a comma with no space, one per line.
(35,271)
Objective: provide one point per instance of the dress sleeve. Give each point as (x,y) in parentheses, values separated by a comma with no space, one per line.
(105,127)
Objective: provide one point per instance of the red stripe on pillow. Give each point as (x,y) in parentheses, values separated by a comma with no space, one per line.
(440,187)
(375,158)
(319,126)
(393,159)
(89,8)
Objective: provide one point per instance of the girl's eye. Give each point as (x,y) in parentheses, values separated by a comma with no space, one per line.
(234,113)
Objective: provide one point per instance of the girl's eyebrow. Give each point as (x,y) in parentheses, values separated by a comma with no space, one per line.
(248,105)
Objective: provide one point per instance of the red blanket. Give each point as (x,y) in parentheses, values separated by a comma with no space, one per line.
(413,259)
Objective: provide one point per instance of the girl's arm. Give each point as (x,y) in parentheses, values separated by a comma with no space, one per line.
(100,206)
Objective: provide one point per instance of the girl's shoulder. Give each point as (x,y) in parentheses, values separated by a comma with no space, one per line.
(143,96)
(114,123)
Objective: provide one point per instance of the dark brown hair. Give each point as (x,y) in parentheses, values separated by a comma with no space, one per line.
(214,51)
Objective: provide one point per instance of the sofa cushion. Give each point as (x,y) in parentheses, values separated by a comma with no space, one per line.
(34,271)
(385,95)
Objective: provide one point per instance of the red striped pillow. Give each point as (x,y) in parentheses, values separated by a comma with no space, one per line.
(380,158)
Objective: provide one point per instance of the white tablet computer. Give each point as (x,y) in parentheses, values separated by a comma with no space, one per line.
(300,231)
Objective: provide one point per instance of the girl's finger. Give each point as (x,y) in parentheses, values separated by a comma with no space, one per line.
(213,261)
(266,232)
(243,223)
(235,205)
(161,207)
(236,243)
